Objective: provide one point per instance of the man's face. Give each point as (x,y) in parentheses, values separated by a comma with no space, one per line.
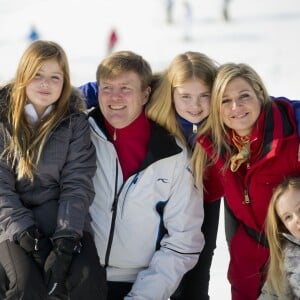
(122,99)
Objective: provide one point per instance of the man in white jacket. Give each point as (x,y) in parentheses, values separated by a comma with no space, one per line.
(147,213)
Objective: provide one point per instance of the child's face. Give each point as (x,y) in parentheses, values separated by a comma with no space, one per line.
(192,100)
(46,86)
(288,209)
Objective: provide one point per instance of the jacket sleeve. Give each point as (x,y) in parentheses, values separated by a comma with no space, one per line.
(181,245)
(90,93)
(14,216)
(213,187)
(296,107)
(77,190)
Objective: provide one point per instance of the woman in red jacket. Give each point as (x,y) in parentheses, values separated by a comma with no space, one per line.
(251,144)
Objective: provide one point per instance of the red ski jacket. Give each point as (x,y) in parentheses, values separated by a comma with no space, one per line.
(248,192)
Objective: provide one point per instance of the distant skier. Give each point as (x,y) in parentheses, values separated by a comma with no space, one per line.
(112,40)
(225,10)
(187,20)
(169,10)
(33,34)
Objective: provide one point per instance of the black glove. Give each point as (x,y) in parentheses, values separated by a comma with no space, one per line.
(40,255)
(35,244)
(29,239)
(58,263)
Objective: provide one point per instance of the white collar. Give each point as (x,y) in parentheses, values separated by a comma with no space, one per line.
(32,115)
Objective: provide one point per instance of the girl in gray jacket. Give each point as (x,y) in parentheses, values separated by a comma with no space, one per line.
(283,232)
(47,162)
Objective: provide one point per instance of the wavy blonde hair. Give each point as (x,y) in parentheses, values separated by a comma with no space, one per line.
(214,126)
(274,228)
(184,67)
(26,145)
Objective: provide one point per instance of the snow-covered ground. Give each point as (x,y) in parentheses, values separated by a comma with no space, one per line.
(262,33)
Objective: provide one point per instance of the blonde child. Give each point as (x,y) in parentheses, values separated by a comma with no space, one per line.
(47,162)
(283,233)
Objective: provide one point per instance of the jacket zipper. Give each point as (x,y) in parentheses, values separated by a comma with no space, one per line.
(247,199)
(114,215)
(246,196)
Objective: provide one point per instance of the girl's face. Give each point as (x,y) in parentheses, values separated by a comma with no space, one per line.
(288,210)
(240,106)
(192,100)
(46,86)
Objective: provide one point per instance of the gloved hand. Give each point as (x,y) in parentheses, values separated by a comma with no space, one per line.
(40,255)
(35,244)
(29,238)
(58,263)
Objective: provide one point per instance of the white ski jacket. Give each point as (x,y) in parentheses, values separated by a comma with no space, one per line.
(147,229)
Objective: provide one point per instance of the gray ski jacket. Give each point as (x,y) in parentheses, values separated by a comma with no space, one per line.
(58,200)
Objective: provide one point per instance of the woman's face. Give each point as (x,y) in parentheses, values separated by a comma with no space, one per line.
(288,210)
(240,107)
(46,86)
(192,100)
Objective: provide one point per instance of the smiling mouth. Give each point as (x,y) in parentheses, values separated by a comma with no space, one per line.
(44,92)
(195,114)
(116,107)
(240,116)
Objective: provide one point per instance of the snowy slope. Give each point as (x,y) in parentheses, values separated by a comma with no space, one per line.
(263,33)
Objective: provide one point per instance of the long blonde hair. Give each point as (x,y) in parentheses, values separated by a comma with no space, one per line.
(184,67)
(214,126)
(25,146)
(274,229)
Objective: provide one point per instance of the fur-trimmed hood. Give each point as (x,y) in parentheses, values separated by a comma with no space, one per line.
(76,104)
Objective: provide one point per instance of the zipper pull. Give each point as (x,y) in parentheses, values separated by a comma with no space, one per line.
(247,198)
(36,244)
(114,205)
(195,128)
(115,134)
